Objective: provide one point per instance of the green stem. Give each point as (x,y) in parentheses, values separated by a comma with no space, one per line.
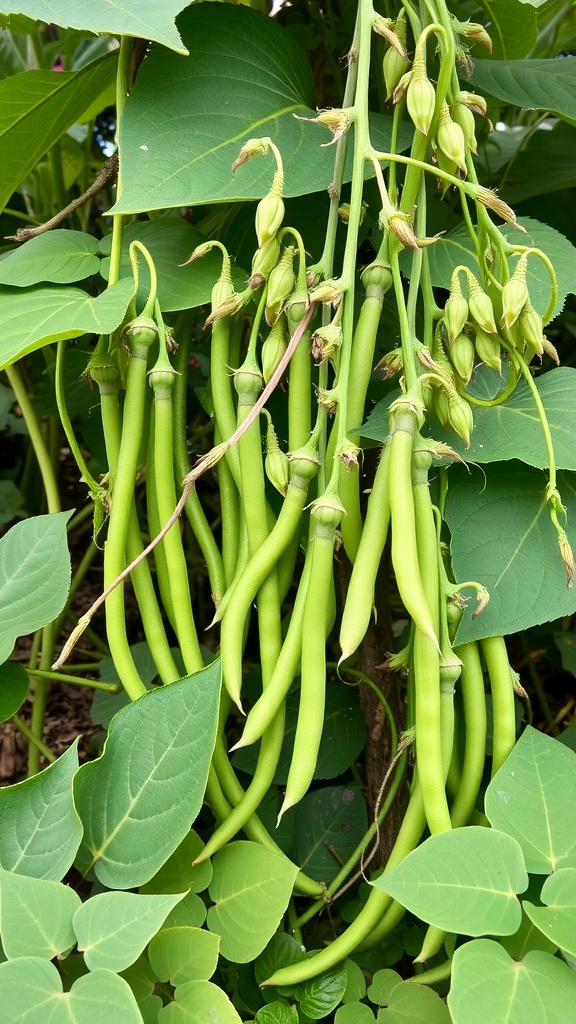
(33,740)
(36,438)
(59,677)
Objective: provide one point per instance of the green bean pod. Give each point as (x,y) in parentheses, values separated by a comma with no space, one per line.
(326,512)
(501,686)
(474,698)
(360,596)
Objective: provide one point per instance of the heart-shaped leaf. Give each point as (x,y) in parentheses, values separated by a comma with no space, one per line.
(189,913)
(39,828)
(179,872)
(187,117)
(487,985)
(557,920)
(141,18)
(354,1013)
(532,798)
(410,1003)
(34,317)
(198,1002)
(31,990)
(503,538)
(113,928)
(383,983)
(462,881)
(34,576)
(178,955)
(13,689)
(59,256)
(36,916)
(251,888)
(138,800)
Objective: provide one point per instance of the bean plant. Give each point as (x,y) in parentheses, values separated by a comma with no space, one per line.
(282,375)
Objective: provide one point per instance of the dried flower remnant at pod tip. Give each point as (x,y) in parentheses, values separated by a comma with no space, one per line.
(385,27)
(395,65)
(335,119)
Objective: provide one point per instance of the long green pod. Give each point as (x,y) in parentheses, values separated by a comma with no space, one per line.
(403,521)
(502,688)
(193,508)
(230,516)
(141,334)
(474,699)
(154,527)
(360,596)
(303,467)
(326,512)
(299,390)
(161,381)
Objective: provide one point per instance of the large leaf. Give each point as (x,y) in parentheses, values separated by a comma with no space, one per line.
(113,928)
(34,576)
(532,797)
(179,873)
(329,824)
(197,1002)
(170,241)
(34,317)
(536,84)
(251,888)
(138,800)
(557,919)
(187,117)
(487,985)
(60,256)
(512,28)
(36,916)
(184,954)
(319,995)
(410,1004)
(31,990)
(37,107)
(39,827)
(457,248)
(547,163)
(462,881)
(145,19)
(13,689)
(503,538)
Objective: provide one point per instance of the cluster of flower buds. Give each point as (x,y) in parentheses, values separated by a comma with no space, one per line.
(270,209)
(453,410)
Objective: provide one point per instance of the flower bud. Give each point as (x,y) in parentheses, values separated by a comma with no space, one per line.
(514,298)
(462,355)
(460,417)
(488,349)
(491,201)
(385,27)
(449,167)
(265,259)
(464,117)
(281,283)
(530,326)
(550,350)
(450,138)
(482,598)
(454,611)
(269,216)
(481,307)
(377,278)
(296,308)
(335,119)
(421,99)
(273,348)
(475,103)
(250,148)
(275,462)
(440,406)
(230,305)
(326,341)
(395,62)
(328,291)
(402,86)
(455,311)
(399,224)
(567,556)
(222,290)
(474,31)
(390,364)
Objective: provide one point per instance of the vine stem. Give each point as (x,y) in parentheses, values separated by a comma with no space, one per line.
(36,438)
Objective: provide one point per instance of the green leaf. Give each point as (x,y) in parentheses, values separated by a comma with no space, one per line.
(113,928)
(457,248)
(332,818)
(105,705)
(179,873)
(566,644)
(343,737)
(13,689)
(138,800)
(11,501)
(59,256)
(355,982)
(488,985)
(536,84)
(37,316)
(251,888)
(37,107)
(546,164)
(31,990)
(354,1013)
(414,1004)
(319,996)
(34,576)
(282,951)
(141,18)
(198,1002)
(39,828)
(557,920)
(512,28)
(178,955)
(503,538)
(187,118)
(532,798)
(513,429)
(36,916)
(383,984)
(189,913)
(277,1013)
(170,241)
(526,938)
(462,881)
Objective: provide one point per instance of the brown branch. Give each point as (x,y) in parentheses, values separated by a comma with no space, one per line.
(108,172)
